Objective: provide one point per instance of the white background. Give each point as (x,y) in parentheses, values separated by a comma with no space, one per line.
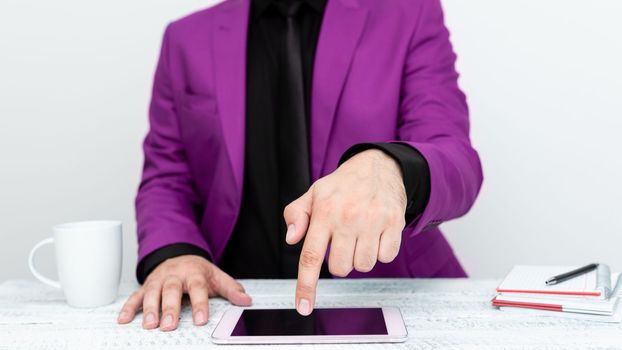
(544,82)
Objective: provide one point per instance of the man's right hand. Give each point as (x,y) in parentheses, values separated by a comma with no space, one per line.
(166,284)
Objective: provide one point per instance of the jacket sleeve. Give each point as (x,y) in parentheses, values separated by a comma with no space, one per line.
(167,203)
(433,119)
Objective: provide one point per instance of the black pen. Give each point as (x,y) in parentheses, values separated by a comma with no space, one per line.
(571,274)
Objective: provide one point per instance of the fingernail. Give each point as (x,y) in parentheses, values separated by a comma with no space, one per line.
(167,321)
(304,308)
(199,317)
(122,316)
(150,319)
(291,229)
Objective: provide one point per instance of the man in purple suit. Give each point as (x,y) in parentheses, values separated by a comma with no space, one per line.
(299,139)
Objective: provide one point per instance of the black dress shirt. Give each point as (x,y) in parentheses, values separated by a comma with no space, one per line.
(256,246)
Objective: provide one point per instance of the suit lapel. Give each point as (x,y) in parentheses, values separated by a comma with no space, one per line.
(342,26)
(230,32)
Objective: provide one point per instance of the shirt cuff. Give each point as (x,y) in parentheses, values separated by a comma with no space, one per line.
(155,258)
(415,172)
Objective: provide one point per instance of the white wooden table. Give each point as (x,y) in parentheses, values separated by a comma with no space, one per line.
(448,314)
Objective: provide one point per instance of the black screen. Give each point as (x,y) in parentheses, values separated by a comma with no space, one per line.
(356,321)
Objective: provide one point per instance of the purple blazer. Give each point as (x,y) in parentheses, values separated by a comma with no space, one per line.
(384,71)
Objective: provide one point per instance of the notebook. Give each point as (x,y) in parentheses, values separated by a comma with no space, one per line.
(615,318)
(593,296)
(526,279)
(595,306)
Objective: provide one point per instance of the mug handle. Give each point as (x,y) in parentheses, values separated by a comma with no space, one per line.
(31,265)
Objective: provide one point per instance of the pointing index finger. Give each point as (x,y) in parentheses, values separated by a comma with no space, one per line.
(309,266)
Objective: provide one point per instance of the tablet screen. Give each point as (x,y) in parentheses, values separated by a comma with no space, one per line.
(266,322)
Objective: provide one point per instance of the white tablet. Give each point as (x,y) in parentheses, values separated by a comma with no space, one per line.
(328,325)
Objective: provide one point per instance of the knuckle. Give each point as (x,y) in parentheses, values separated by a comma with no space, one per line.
(379,211)
(400,221)
(131,304)
(374,215)
(196,285)
(151,299)
(349,213)
(305,289)
(202,305)
(397,217)
(319,186)
(339,265)
(214,279)
(171,265)
(166,267)
(339,270)
(150,306)
(152,285)
(383,214)
(170,309)
(389,252)
(156,273)
(365,263)
(171,284)
(137,295)
(310,258)
(323,208)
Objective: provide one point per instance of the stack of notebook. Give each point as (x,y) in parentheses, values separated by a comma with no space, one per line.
(591,296)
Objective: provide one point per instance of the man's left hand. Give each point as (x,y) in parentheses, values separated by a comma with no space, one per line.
(358,209)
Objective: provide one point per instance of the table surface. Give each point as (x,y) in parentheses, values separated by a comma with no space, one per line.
(439,313)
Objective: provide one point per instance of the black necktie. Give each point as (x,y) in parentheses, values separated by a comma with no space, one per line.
(294,177)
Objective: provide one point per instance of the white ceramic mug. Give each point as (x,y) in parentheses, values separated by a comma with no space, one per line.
(88,259)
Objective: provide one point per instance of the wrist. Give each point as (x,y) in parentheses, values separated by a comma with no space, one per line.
(379,160)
